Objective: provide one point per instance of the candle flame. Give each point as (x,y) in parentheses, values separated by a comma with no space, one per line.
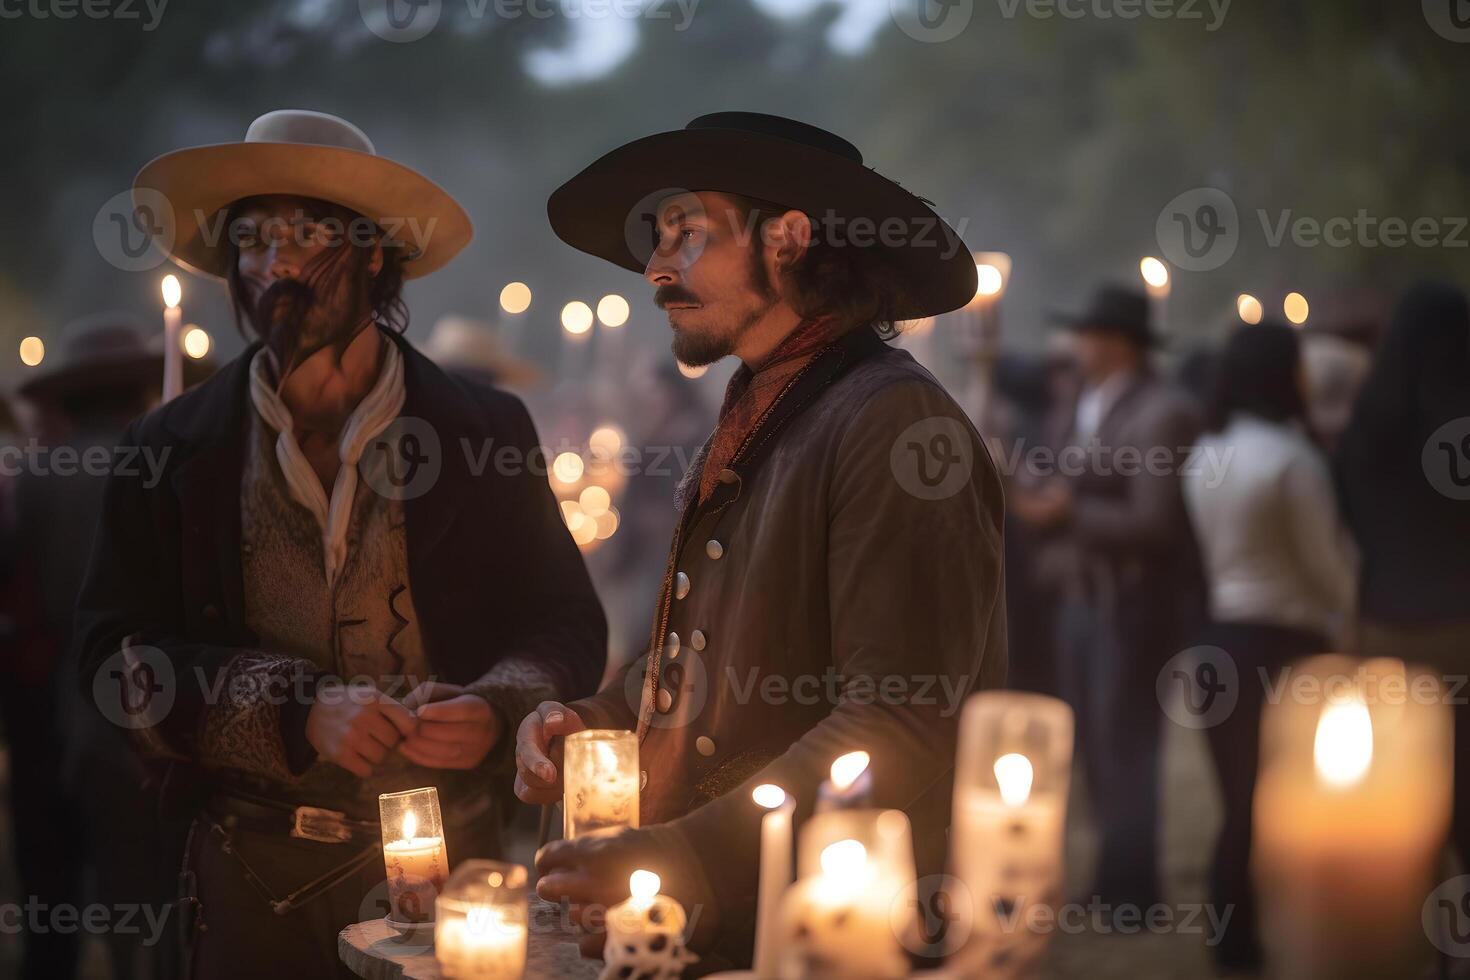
(1154,272)
(768,795)
(1014,774)
(1343,749)
(644,886)
(844,862)
(410,825)
(847,768)
(172,291)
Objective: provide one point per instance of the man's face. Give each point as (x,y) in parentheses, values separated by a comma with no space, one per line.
(304,285)
(710,274)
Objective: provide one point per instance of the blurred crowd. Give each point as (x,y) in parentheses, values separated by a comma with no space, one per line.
(1285,491)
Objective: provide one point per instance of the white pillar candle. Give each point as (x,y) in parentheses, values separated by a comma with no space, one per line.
(1351,812)
(173,341)
(1012,775)
(837,924)
(775,874)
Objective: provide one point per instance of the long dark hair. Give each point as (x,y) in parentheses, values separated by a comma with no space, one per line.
(384,291)
(1258,374)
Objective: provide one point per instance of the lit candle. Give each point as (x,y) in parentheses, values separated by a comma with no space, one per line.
(775,874)
(413,853)
(601,782)
(480,928)
(173,349)
(855,905)
(1351,812)
(850,786)
(645,934)
(1012,775)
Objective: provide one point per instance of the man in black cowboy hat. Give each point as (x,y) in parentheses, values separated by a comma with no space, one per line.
(1120,545)
(324,599)
(835,579)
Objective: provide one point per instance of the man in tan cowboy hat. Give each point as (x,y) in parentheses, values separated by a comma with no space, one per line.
(835,580)
(325,598)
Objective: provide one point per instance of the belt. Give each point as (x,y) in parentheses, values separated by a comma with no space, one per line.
(235,811)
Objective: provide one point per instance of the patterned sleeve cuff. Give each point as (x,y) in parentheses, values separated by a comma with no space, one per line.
(259,697)
(513,687)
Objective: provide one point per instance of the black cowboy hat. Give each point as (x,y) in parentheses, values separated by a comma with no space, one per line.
(1114,309)
(106,350)
(609,209)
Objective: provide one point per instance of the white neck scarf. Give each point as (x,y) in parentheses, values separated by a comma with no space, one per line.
(377,410)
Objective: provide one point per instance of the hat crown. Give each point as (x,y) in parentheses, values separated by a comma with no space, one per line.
(102,335)
(307,126)
(789,129)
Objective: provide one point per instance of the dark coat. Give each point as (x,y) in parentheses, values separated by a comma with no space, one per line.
(823,563)
(492,568)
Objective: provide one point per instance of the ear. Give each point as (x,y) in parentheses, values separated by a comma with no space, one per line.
(789,236)
(375,260)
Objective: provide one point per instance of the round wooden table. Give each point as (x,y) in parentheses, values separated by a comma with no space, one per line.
(375,951)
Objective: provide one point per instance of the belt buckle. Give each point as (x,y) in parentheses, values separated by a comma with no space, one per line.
(323,826)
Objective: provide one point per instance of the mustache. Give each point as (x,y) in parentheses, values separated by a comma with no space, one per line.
(669,294)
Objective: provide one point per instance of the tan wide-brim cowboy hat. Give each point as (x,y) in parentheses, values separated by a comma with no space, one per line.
(305,154)
(608,210)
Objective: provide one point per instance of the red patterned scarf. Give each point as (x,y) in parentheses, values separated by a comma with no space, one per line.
(751,393)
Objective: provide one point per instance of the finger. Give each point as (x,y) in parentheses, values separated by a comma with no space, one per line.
(370,749)
(557,855)
(430,754)
(559,719)
(452,732)
(380,730)
(466,707)
(577,887)
(396,713)
(531,751)
(431,691)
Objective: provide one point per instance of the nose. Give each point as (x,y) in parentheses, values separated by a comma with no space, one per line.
(660,271)
(280,265)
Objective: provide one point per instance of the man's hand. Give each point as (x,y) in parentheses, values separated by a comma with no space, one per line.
(538,761)
(356,726)
(590,875)
(455,730)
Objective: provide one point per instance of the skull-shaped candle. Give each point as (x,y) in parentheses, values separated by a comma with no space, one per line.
(413,853)
(645,934)
(601,776)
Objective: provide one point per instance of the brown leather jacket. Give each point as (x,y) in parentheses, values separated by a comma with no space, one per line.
(841,589)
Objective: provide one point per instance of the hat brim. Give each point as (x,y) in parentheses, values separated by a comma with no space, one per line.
(1084,323)
(141,370)
(199,182)
(610,209)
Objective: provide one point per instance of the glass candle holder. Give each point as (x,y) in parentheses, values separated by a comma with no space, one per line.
(601,780)
(481,922)
(413,853)
(1013,772)
(854,909)
(1352,808)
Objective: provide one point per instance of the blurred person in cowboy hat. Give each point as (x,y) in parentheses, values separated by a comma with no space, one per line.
(322,599)
(461,345)
(77,793)
(842,523)
(1117,545)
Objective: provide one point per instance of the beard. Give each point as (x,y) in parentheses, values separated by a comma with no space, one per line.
(296,319)
(696,346)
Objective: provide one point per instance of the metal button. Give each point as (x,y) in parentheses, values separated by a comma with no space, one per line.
(681,585)
(713,548)
(705,745)
(665,700)
(643,779)
(671,645)
(696,639)
(728,476)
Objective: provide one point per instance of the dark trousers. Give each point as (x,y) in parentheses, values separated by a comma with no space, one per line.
(1235,744)
(242,936)
(1108,677)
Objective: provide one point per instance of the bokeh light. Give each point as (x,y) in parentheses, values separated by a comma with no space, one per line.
(1295,307)
(576,318)
(196,342)
(612,310)
(515,297)
(1249,308)
(32,351)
